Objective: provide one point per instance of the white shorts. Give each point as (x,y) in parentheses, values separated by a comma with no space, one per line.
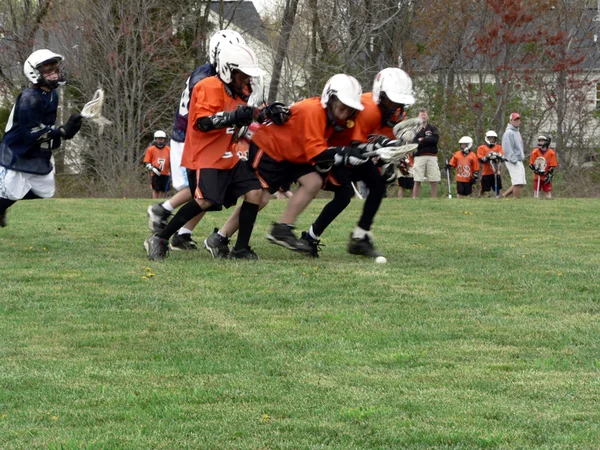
(15,185)
(178,173)
(517,173)
(426,167)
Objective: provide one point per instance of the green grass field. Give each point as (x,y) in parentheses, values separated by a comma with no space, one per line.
(482,331)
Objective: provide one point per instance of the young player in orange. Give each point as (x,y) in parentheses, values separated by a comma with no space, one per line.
(217,177)
(383,109)
(157,161)
(467,167)
(288,151)
(542,180)
(490,180)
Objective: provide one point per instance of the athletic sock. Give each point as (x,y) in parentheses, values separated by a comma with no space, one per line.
(312,234)
(184,230)
(223,235)
(167,205)
(359,233)
(188,211)
(248,213)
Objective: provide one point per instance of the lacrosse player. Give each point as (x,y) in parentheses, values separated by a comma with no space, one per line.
(490,153)
(466,164)
(217,176)
(383,108)
(426,163)
(286,151)
(159,213)
(26,167)
(543,173)
(405,174)
(514,154)
(157,161)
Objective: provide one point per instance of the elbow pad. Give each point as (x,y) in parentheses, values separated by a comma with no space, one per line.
(215,122)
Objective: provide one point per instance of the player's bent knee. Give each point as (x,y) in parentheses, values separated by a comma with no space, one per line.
(255,196)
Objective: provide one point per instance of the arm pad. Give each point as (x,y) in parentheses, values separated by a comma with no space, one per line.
(243,115)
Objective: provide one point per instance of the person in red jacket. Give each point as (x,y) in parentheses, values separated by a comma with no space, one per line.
(542,178)
(467,167)
(158,162)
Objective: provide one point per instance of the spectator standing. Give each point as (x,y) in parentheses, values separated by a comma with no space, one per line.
(514,153)
(425,157)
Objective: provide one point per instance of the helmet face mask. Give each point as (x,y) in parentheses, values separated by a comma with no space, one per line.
(544,142)
(391,112)
(43,68)
(341,100)
(466,143)
(491,138)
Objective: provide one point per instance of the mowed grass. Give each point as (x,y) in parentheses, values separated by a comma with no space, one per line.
(482,331)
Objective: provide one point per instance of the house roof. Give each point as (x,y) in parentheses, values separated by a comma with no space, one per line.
(242,14)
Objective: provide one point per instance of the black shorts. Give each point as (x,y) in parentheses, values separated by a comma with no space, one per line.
(222,187)
(463,188)
(275,175)
(406,182)
(160,182)
(487,183)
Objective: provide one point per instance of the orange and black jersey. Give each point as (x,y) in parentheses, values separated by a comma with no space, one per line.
(465,165)
(483,151)
(550,157)
(159,158)
(368,121)
(212,149)
(301,138)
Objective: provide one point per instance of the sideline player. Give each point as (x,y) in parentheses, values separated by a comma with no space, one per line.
(159,213)
(216,174)
(466,164)
(542,179)
(26,167)
(490,179)
(157,161)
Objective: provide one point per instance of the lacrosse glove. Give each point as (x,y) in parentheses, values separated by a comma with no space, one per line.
(548,178)
(72,127)
(243,115)
(483,160)
(350,156)
(152,169)
(475,178)
(276,112)
(380,141)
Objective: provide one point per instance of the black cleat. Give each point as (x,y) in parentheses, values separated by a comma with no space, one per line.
(282,234)
(245,253)
(363,247)
(156,248)
(157,217)
(217,245)
(314,245)
(183,242)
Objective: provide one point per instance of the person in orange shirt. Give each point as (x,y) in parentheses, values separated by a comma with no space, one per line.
(542,179)
(217,177)
(487,154)
(295,150)
(467,167)
(157,161)
(384,107)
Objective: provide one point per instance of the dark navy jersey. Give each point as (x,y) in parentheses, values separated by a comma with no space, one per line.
(181,116)
(30,133)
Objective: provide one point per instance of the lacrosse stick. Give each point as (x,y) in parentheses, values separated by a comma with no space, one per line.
(495,166)
(540,166)
(356,192)
(406,131)
(393,155)
(448,177)
(93,111)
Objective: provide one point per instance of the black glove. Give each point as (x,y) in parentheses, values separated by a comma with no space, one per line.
(541,173)
(381,141)
(277,112)
(73,125)
(484,160)
(548,178)
(350,156)
(243,115)
(449,167)
(475,178)
(153,169)
(532,167)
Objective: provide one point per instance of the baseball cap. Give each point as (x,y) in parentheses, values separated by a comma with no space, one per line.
(515,116)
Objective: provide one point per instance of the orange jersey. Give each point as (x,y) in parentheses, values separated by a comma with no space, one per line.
(159,158)
(465,165)
(301,138)
(212,149)
(368,121)
(550,157)
(483,151)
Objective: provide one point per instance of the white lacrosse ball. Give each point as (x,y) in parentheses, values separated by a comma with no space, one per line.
(380,260)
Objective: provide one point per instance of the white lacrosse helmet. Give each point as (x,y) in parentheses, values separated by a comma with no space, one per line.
(546,139)
(466,140)
(488,135)
(396,84)
(160,134)
(36,60)
(346,88)
(237,57)
(218,39)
